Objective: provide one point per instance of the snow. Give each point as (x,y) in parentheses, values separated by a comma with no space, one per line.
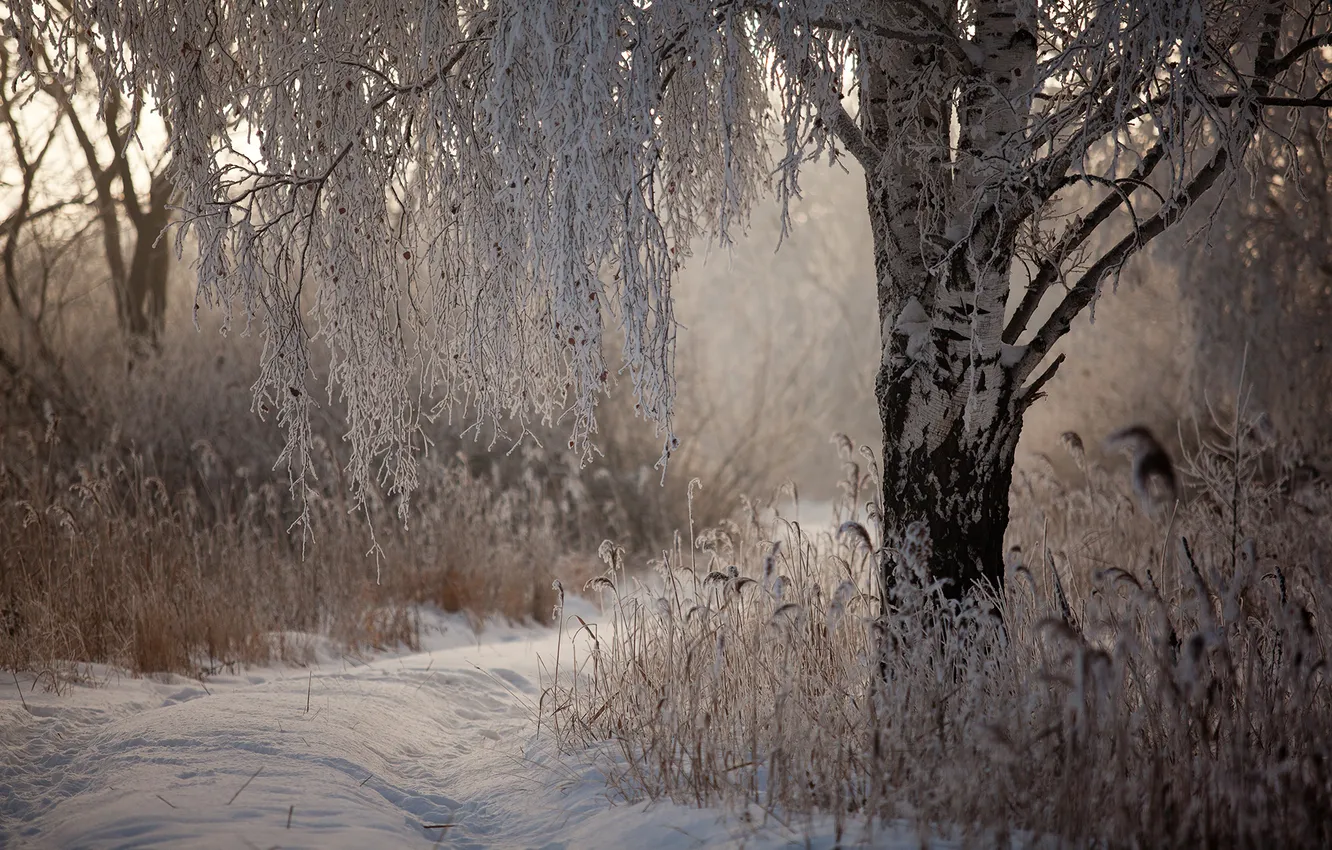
(914,323)
(399,750)
(1011,355)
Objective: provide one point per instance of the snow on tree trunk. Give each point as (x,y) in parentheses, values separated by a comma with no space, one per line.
(947,397)
(959,488)
(951,414)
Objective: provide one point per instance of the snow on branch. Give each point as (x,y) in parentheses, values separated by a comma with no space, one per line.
(456,201)
(1195,108)
(1128,114)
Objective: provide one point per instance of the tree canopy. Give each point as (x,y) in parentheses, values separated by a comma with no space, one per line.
(457,199)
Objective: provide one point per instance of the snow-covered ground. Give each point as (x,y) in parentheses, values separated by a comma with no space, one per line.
(434,748)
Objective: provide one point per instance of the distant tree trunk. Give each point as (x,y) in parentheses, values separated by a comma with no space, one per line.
(146,280)
(140,285)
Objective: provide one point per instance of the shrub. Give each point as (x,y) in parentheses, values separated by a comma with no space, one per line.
(1140,683)
(105,563)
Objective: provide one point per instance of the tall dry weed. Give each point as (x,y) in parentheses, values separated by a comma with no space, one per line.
(146,524)
(1145,680)
(105,563)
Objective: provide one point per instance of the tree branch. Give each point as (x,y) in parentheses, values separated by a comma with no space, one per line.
(119,160)
(1089,284)
(23,214)
(1298,51)
(1098,120)
(42,212)
(1316,101)
(267,180)
(859,25)
(102,180)
(941,35)
(929,15)
(1074,237)
(851,136)
(1031,393)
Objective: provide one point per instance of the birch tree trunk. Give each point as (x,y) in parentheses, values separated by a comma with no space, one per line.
(950,408)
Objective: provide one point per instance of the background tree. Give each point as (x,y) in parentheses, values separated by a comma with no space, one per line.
(26,358)
(140,285)
(456,200)
(72,173)
(1258,283)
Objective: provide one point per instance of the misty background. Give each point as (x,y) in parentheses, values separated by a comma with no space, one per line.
(778,344)
(783,344)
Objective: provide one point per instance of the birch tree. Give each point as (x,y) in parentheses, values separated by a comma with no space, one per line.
(459,200)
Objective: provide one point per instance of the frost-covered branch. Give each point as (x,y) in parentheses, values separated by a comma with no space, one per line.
(1202,106)
(465,203)
(964,52)
(850,134)
(458,201)
(1089,284)
(1074,237)
(1299,51)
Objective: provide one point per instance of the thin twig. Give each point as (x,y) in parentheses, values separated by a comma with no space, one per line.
(243,787)
(1235,441)
(19,687)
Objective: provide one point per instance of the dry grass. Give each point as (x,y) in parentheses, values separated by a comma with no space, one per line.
(142,521)
(1167,690)
(104,563)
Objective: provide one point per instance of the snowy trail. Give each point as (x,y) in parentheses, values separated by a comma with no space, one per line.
(363,765)
(387,754)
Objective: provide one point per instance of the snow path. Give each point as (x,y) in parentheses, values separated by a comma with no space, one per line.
(354,754)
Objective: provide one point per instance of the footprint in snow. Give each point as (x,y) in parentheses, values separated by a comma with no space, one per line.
(182,695)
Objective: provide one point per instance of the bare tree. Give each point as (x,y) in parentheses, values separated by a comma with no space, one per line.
(140,285)
(27,358)
(471,192)
(87,162)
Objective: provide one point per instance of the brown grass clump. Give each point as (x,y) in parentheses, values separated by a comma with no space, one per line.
(142,521)
(1145,681)
(104,563)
